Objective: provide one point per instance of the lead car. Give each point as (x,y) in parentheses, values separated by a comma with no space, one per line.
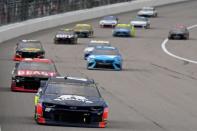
(70,101)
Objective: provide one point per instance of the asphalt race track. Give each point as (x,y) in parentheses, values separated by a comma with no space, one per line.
(154,92)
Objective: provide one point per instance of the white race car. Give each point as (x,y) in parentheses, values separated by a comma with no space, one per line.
(108,21)
(148,12)
(93,43)
(140,22)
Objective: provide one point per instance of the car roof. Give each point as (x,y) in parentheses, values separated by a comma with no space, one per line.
(37,60)
(110,16)
(106,48)
(30,41)
(148,7)
(99,42)
(82,25)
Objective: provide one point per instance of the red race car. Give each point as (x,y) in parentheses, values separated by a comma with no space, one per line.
(28,73)
(28,49)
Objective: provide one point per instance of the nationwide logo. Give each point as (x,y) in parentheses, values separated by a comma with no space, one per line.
(74,98)
(35,73)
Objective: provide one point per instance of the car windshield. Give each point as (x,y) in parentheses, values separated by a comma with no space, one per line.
(105,52)
(36,45)
(72,89)
(109,18)
(38,66)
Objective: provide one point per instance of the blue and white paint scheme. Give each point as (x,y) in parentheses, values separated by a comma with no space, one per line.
(105,57)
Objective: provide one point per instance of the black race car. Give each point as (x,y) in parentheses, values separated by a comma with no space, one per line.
(28,49)
(27,74)
(70,101)
(179,32)
(66,36)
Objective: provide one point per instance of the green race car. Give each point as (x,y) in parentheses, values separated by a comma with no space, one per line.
(83,30)
(124,30)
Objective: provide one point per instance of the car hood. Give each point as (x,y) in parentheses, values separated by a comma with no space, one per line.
(145,12)
(138,22)
(35,73)
(103,57)
(177,31)
(73,100)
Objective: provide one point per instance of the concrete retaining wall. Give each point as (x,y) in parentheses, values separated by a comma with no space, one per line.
(17,29)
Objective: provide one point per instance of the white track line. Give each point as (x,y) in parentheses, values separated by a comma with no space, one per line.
(163,45)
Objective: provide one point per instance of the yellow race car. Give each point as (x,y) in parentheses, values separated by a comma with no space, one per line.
(124,30)
(83,30)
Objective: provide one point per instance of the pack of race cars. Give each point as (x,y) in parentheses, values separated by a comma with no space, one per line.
(74,101)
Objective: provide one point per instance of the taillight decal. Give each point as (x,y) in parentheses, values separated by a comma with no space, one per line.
(39,109)
(105,114)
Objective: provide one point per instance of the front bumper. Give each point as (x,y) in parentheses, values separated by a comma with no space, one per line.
(65,40)
(122,34)
(44,121)
(104,64)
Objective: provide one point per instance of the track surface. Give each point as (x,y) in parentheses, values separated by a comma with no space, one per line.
(154,92)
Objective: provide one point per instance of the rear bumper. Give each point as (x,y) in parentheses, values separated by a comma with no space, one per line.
(21,89)
(16,58)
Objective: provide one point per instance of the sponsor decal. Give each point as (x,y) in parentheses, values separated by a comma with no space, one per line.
(74,98)
(34,73)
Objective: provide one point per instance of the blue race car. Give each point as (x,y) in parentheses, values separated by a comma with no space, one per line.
(105,57)
(93,43)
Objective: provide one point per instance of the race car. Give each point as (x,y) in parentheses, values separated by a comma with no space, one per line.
(83,30)
(148,12)
(105,57)
(28,49)
(66,36)
(28,73)
(93,43)
(140,22)
(108,21)
(70,101)
(124,30)
(179,32)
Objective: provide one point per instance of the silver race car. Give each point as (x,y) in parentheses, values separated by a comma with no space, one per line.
(148,12)
(108,21)
(140,22)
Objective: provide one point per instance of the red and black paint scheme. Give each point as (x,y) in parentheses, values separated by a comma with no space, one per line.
(28,49)
(28,73)
(70,101)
